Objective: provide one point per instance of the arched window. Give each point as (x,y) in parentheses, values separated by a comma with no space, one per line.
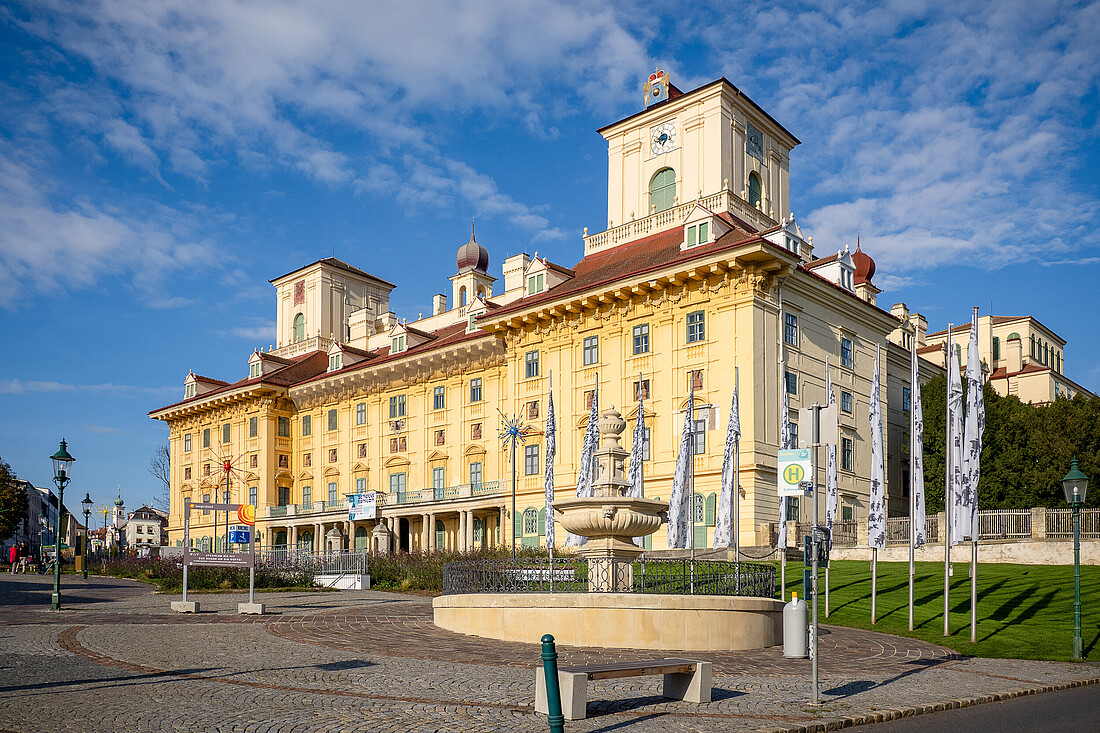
(462,296)
(362,540)
(755,190)
(662,190)
(305,542)
(299,327)
(440,535)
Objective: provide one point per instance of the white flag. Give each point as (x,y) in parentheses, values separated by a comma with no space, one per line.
(967,507)
(831,494)
(637,480)
(584,472)
(724,530)
(916,453)
(551,450)
(954,445)
(679,520)
(785,442)
(876,503)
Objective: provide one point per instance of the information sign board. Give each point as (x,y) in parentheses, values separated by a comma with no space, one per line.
(794,470)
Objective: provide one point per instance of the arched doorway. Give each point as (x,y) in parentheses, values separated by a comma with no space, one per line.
(305,542)
(403,534)
(362,538)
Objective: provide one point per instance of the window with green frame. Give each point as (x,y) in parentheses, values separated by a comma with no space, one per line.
(662,190)
(756,195)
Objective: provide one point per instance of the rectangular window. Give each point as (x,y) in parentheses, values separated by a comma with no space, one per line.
(695,330)
(307,425)
(206,437)
(253,492)
(996,348)
(362,450)
(333,419)
(846,353)
(589,396)
(475,390)
(360,485)
(698,233)
(307,460)
(530,460)
(695,379)
(475,431)
(254,370)
(847,453)
(284,460)
(332,492)
(187,474)
(905,398)
(253,427)
(332,455)
(591,350)
(791,380)
(284,427)
(307,495)
(792,509)
(334,362)
(439,398)
(440,437)
(645,444)
(439,480)
(206,500)
(361,413)
(398,344)
(536,283)
(700,435)
(531,364)
(187,442)
(847,513)
(794,434)
(846,402)
(790,330)
(397,406)
(641,390)
(475,473)
(641,339)
(397,484)
(531,410)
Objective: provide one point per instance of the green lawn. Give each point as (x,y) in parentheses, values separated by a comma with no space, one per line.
(1024,611)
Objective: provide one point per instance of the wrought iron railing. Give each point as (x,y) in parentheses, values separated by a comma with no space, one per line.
(579,575)
(339,561)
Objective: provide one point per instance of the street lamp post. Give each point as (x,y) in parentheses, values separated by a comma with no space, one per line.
(62,468)
(1075,485)
(87,505)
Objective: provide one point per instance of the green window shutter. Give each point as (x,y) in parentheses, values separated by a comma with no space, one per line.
(708,510)
(662,190)
(703,232)
(518,523)
(691,236)
(542,521)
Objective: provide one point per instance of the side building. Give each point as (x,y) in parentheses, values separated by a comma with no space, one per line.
(702,280)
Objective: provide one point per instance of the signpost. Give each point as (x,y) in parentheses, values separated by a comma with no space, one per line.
(240,534)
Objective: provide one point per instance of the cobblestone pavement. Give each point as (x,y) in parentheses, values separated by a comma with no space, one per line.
(117,660)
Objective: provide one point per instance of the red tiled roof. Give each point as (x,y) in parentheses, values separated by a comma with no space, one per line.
(209,380)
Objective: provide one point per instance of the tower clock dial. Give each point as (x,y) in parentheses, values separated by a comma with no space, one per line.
(662,138)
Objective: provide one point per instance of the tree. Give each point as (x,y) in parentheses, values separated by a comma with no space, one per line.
(13,501)
(160,466)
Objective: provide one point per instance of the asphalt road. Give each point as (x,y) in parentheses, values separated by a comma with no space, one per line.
(1076,710)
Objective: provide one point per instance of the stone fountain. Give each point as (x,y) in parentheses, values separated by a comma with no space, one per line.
(507,600)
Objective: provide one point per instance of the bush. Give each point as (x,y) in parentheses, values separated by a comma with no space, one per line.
(423,571)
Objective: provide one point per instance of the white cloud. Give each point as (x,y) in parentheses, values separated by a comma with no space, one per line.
(20,387)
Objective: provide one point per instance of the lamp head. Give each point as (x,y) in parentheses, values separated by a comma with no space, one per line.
(62,463)
(1075,484)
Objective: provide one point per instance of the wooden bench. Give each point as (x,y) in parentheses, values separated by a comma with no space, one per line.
(685,679)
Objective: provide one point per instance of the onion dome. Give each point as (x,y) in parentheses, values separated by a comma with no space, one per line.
(865,266)
(472,256)
(119,501)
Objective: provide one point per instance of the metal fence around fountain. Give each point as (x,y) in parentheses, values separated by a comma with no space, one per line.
(578,575)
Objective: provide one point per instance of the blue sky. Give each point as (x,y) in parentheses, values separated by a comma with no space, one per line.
(161,161)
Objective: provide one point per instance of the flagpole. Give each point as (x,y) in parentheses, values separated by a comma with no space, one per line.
(913,386)
(550,509)
(950,357)
(735,530)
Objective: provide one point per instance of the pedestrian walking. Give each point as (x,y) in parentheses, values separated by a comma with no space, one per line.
(13,558)
(24,558)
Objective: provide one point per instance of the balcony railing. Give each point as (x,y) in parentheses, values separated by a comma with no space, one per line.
(398,498)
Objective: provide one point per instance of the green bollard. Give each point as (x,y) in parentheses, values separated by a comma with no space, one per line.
(553,692)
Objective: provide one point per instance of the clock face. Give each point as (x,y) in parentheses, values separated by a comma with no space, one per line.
(662,138)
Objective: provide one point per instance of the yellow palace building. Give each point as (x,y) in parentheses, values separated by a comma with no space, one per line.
(701,269)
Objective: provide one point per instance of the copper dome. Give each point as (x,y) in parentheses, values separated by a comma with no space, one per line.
(472,256)
(865,266)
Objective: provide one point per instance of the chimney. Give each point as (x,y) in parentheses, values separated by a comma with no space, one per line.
(439,304)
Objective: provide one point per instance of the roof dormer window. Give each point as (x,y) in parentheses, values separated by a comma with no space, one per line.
(334,362)
(398,344)
(254,370)
(698,234)
(189,391)
(536,283)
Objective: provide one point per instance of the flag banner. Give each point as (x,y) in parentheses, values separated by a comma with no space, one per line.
(876,503)
(679,503)
(785,443)
(637,447)
(584,473)
(967,500)
(955,438)
(724,530)
(831,493)
(551,450)
(362,506)
(916,453)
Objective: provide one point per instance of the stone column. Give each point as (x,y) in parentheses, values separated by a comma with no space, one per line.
(319,537)
(424,536)
(1039,523)
(431,530)
(292,535)
(461,544)
(468,530)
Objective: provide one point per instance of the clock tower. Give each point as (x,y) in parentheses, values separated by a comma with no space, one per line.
(712,146)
